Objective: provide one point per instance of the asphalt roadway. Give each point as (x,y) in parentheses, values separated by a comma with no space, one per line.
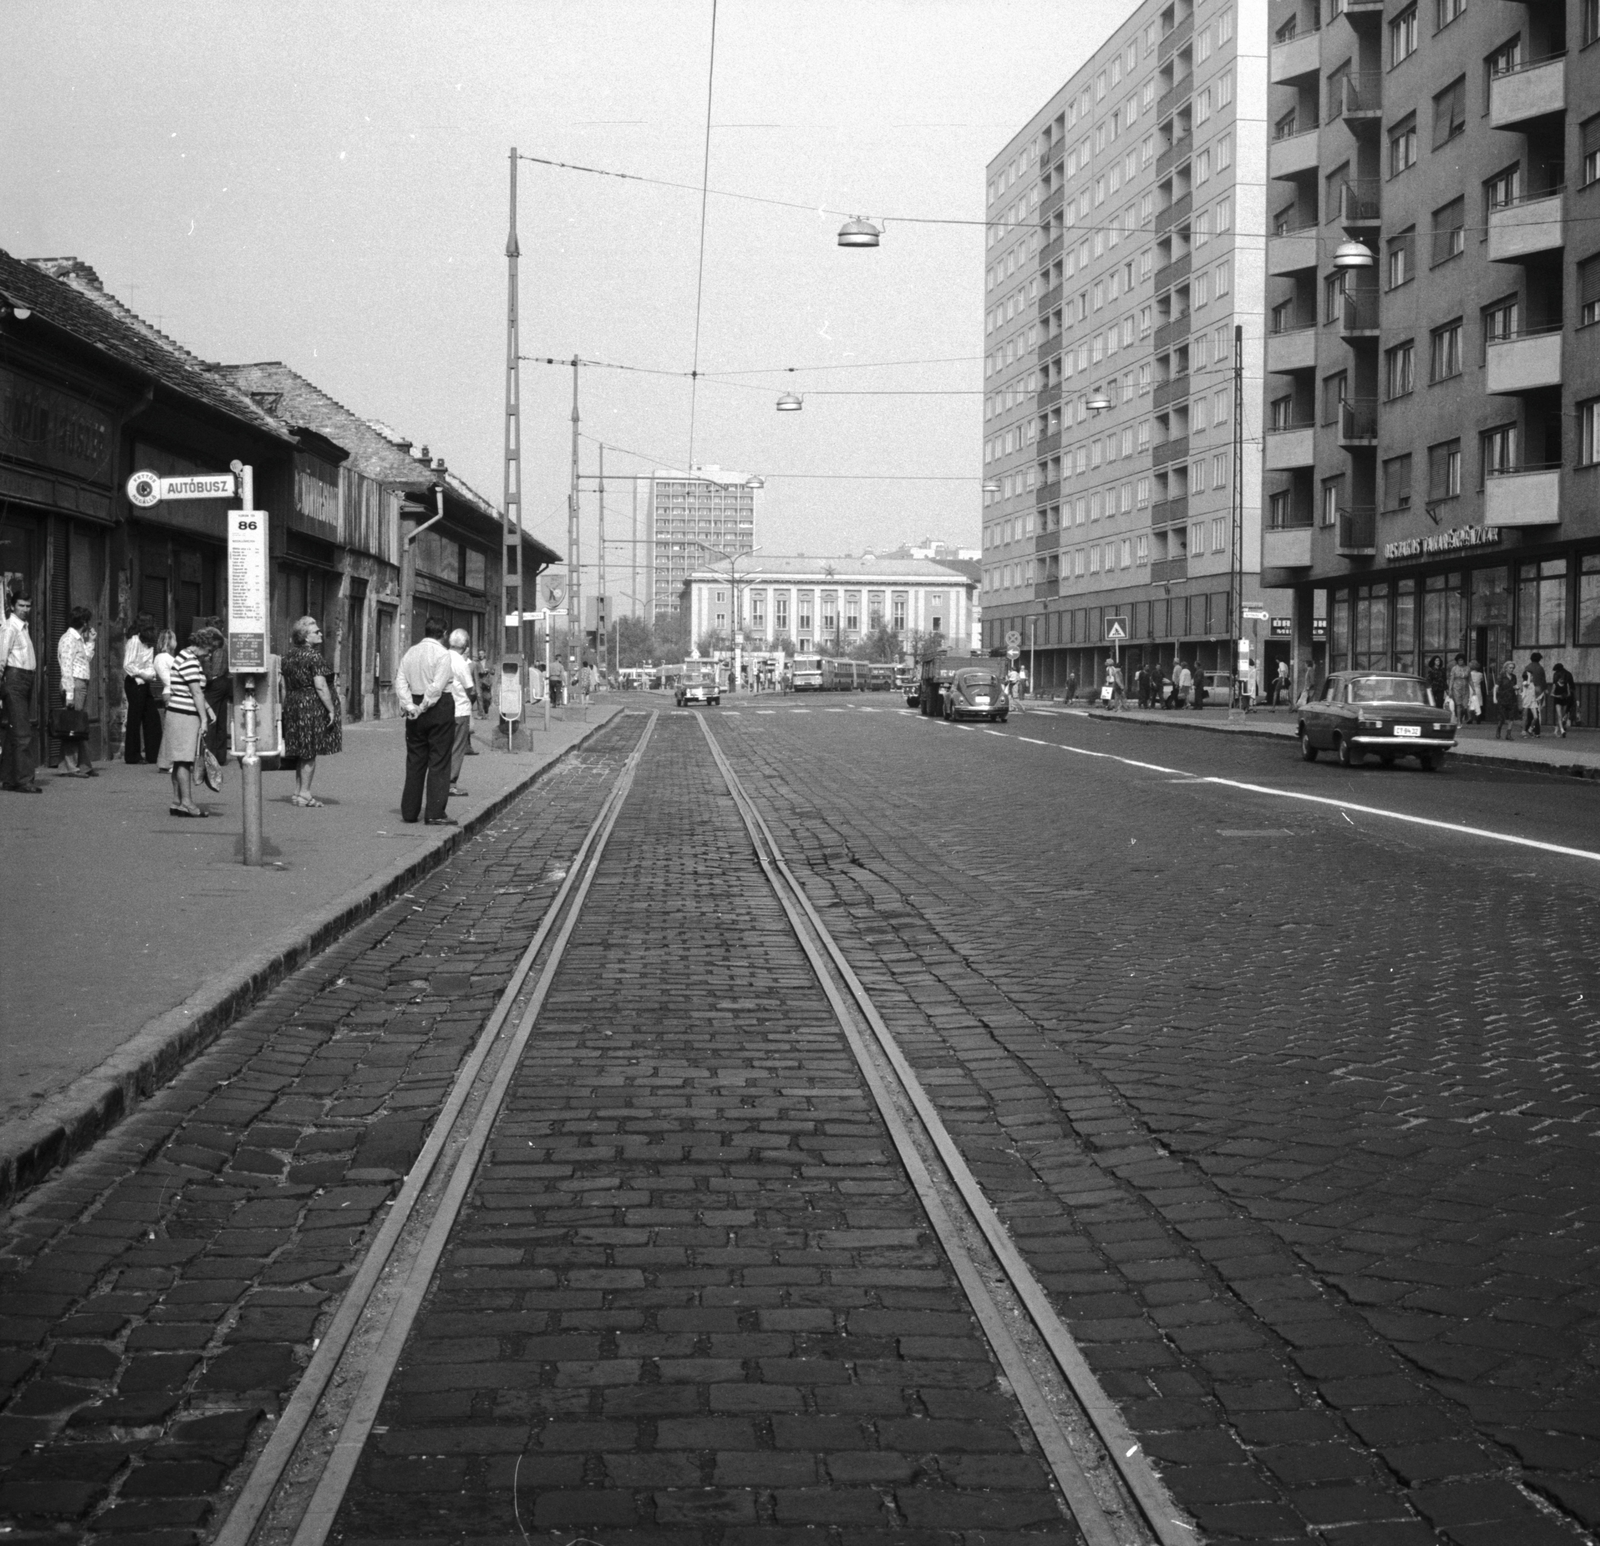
(1284,1077)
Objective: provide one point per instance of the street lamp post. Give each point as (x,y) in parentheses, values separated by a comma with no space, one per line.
(733,586)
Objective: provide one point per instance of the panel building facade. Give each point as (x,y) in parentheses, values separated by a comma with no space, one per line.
(692,520)
(1433,452)
(1126,229)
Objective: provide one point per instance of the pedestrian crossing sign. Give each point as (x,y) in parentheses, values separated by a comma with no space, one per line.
(1116,630)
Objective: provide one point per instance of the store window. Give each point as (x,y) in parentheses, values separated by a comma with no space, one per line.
(1405,626)
(1541,603)
(1444,614)
(1369,643)
(1588,632)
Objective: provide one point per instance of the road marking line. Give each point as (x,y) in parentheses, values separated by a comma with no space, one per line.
(766,711)
(1347,805)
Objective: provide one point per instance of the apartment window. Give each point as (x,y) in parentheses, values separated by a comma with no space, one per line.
(1197,538)
(1402,262)
(1541,603)
(1202,106)
(1219,470)
(1589,432)
(1222,281)
(1219,534)
(1403,145)
(1497,451)
(1450,111)
(1403,35)
(1446,11)
(1444,355)
(1589,292)
(1444,470)
(1332,297)
(1284,128)
(1200,229)
(1142,492)
(1280,510)
(1503,189)
(1224,26)
(1202,167)
(1225,89)
(1590,22)
(1219,406)
(1224,152)
(1449,236)
(1202,47)
(1332,498)
(1400,370)
(1283,412)
(1334,391)
(1589,148)
(1397,483)
(1500,321)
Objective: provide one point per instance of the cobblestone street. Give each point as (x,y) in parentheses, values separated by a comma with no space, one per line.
(1291,1107)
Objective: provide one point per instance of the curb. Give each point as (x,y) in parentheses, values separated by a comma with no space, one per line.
(1468,750)
(68,1123)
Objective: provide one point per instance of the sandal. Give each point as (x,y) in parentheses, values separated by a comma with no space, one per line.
(183,810)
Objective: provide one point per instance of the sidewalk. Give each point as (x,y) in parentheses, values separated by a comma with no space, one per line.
(132,937)
(1578,754)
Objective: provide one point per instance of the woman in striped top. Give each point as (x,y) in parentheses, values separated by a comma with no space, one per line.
(187,716)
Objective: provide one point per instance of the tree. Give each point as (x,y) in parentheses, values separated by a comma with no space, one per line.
(671,633)
(883,643)
(635,641)
(710,642)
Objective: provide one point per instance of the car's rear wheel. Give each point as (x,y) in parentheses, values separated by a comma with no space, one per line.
(1307,750)
(1428,762)
(1349,756)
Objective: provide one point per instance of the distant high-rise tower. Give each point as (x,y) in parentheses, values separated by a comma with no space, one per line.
(693,521)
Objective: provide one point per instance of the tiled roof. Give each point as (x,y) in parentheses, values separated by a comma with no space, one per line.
(297,401)
(67,293)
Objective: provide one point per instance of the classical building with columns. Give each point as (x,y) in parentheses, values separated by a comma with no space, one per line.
(830,605)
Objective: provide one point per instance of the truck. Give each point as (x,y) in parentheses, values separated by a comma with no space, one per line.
(951,682)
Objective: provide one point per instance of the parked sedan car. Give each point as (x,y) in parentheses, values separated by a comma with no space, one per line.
(976,695)
(1386,712)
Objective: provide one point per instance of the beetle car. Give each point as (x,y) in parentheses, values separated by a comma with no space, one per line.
(976,694)
(698,684)
(1387,712)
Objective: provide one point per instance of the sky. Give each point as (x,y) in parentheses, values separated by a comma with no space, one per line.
(327,185)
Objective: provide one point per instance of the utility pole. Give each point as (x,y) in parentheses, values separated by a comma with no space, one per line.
(1236,558)
(511,508)
(633,571)
(602,644)
(574,589)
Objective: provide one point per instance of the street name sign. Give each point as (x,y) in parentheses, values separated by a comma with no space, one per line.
(247,590)
(1257,615)
(1116,629)
(148,488)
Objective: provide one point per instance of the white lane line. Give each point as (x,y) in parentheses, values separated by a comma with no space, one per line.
(1348,805)
(1031,741)
(766,711)
(799,711)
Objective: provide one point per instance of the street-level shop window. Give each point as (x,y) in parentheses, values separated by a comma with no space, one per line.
(1444,613)
(1405,626)
(1541,603)
(1369,641)
(1588,631)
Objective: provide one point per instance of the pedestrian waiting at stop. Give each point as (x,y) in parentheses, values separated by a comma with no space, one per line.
(311,726)
(1182,682)
(19,668)
(423,687)
(142,692)
(464,695)
(75,656)
(166,650)
(187,717)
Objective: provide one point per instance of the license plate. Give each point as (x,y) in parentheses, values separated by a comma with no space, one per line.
(1408,729)
(982,703)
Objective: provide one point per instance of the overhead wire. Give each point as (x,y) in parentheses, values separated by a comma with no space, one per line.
(848,477)
(700,269)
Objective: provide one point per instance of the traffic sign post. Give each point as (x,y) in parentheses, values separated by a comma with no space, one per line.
(1116,636)
(247,622)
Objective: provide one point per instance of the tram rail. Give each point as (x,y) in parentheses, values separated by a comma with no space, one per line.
(294,1491)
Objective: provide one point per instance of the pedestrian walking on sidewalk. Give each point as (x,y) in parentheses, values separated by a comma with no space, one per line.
(1198,695)
(1460,690)
(1070,691)
(1532,694)
(19,667)
(1506,699)
(75,656)
(1141,681)
(311,726)
(429,709)
(463,690)
(1438,681)
(166,651)
(1278,693)
(141,740)
(1477,692)
(1181,683)
(1563,697)
(187,718)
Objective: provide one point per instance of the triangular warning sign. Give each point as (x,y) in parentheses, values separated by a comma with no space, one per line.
(1115,630)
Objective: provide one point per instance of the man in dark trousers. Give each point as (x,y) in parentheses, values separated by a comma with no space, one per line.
(430,710)
(20,667)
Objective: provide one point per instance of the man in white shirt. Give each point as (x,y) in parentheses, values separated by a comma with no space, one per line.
(75,656)
(18,669)
(423,687)
(463,689)
(142,741)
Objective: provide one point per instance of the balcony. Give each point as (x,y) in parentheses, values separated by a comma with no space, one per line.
(1537,90)
(1358,422)
(1052,250)
(1173,450)
(1046,541)
(1286,547)
(1051,202)
(1294,445)
(1299,57)
(1170,333)
(1359,315)
(1165,570)
(1526,228)
(1046,493)
(1170,512)
(1048,442)
(1048,396)
(1044,590)
(1176,152)
(1358,532)
(1295,155)
(1529,496)
(1169,392)
(1174,214)
(1357,10)
(1357,98)
(1360,203)
(1295,349)
(1174,97)
(1174,40)
(1295,252)
(1049,300)
(1525,363)
(1172,273)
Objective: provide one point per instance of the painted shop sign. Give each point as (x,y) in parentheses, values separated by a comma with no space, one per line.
(1443,542)
(52,428)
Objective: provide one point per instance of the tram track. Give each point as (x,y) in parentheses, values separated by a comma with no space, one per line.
(294,1492)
